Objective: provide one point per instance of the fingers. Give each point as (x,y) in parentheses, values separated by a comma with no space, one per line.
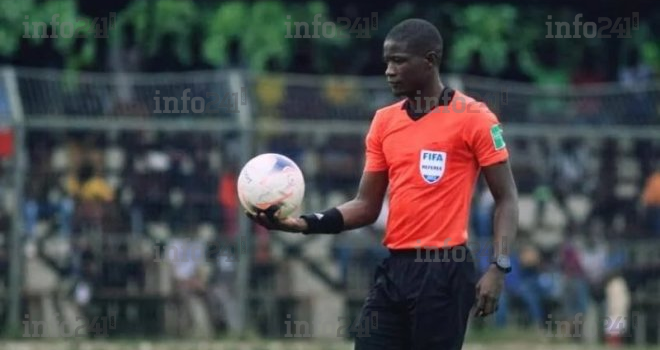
(260,218)
(272,213)
(267,218)
(489,305)
(486,305)
(478,308)
(487,300)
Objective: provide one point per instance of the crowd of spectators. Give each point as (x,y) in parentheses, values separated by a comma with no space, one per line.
(165,186)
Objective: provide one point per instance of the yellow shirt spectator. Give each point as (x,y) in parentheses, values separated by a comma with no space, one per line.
(95,188)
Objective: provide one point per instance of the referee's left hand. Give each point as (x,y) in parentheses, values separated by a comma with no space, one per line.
(488,292)
(271,219)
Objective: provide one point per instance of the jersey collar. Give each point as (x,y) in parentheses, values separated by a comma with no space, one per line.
(446,97)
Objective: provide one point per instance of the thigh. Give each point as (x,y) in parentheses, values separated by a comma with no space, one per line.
(382,324)
(442,309)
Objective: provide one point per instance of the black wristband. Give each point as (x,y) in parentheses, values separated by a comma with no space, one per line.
(330,221)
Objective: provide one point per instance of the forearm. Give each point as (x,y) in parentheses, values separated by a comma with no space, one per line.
(350,215)
(505,225)
(361,211)
(358,213)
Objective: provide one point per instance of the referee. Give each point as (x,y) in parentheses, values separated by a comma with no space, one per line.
(429,148)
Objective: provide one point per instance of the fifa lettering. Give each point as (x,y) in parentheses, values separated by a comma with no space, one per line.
(432,156)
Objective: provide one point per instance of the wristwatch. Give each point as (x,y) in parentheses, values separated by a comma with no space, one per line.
(503,263)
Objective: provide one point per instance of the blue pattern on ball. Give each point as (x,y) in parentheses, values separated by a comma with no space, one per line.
(282,163)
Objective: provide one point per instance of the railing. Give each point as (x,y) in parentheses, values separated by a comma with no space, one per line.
(312,98)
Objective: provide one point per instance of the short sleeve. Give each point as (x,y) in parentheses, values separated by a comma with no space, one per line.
(375,157)
(485,137)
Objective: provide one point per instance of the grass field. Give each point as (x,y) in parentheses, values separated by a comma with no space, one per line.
(264,345)
(501,340)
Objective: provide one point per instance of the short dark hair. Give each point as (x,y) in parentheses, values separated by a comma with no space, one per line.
(420,35)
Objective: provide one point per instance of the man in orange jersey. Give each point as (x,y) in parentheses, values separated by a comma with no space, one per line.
(430,155)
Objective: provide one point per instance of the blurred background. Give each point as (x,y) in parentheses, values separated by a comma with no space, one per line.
(108,184)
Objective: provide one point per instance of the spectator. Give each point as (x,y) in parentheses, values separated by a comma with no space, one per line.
(651,202)
(569,172)
(87,185)
(601,268)
(576,285)
(186,256)
(589,109)
(635,76)
(594,255)
(228,200)
(606,203)
(222,294)
(92,193)
(617,307)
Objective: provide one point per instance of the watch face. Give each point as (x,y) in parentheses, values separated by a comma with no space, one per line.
(503,261)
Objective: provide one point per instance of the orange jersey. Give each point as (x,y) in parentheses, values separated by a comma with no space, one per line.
(433,165)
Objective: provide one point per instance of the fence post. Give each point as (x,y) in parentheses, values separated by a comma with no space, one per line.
(245,125)
(19,175)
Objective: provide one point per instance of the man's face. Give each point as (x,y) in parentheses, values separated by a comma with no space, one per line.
(406,72)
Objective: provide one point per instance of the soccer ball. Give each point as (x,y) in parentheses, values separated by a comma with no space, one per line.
(271,179)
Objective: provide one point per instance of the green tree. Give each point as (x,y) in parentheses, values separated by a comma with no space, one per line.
(12,27)
(262,29)
(488,30)
(154,20)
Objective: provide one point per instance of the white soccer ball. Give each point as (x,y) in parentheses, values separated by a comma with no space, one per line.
(271,179)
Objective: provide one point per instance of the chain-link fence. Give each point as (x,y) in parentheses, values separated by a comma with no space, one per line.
(126,209)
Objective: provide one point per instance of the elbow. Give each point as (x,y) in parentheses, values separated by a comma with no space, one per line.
(512,198)
(509,199)
(508,196)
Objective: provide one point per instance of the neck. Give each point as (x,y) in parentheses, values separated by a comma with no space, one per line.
(428,97)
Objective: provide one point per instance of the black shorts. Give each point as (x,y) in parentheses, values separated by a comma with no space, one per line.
(419,302)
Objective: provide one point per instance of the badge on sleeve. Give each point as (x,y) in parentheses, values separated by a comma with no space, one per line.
(496,135)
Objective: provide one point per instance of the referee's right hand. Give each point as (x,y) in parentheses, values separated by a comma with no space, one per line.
(271,220)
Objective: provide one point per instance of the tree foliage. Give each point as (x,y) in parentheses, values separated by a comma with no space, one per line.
(260,28)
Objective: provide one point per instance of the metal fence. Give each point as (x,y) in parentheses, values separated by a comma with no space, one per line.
(165,149)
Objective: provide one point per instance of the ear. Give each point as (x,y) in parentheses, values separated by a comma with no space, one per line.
(432,59)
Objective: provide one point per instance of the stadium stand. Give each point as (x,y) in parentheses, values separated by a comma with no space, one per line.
(114,182)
